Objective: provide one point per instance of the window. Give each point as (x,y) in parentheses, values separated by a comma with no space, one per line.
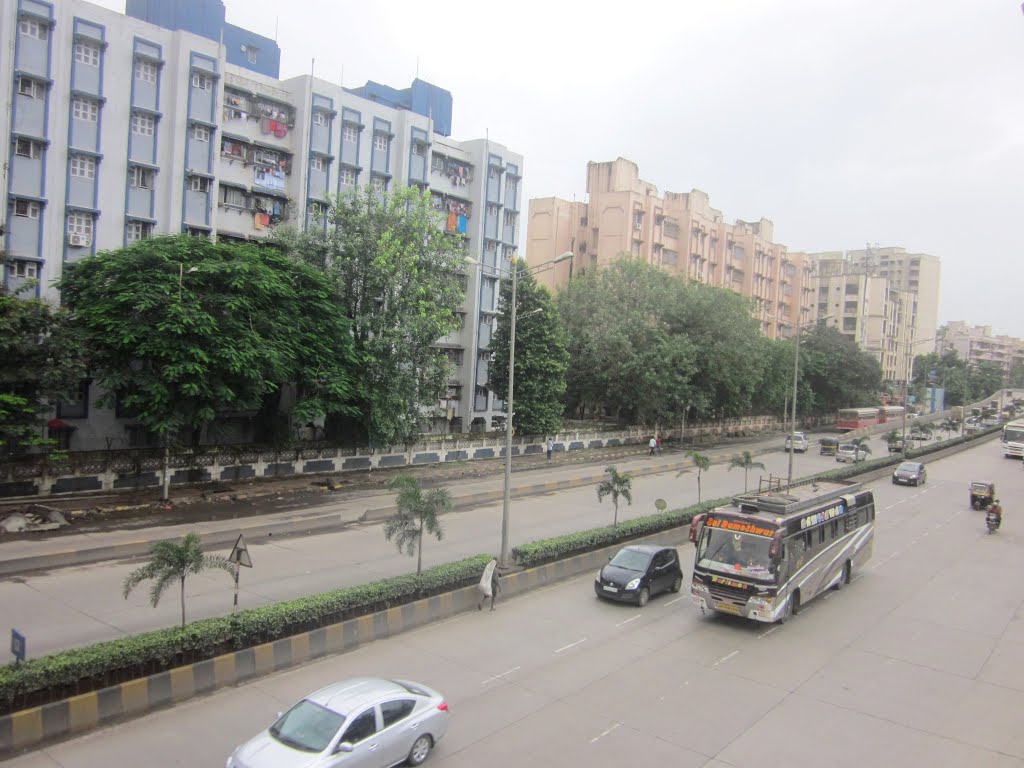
(85,109)
(83,167)
(31,88)
(363,727)
(492,209)
(25,269)
(140,178)
(350,134)
(510,219)
(78,408)
(316,164)
(250,53)
(145,71)
(319,118)
(143,125)
(494,173)
(200,133)
(378,184)
(380,142)
(348,177)
(393,711)
(80,226)
(201,81)
(88,54)
(232,196)
(27,209)
(32,28)
(636,248)
(28,148)
(199,184)
(138,230)
(418,149)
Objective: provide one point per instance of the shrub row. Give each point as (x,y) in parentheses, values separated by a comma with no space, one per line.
(78,670)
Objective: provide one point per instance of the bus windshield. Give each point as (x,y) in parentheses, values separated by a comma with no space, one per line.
(737,554)
(1013,433)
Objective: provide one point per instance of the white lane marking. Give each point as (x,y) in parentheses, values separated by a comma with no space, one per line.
(859,575)
(498,677)
(570,645)
(924,534)
(724,659)
(627,621)
(765,634)
(954,596)
(671,602)
(886,509)
(613,727)
(827,596)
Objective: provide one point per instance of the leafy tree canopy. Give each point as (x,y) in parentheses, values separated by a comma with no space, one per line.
(180,328)
(395,277)
(835,372)
(541,357)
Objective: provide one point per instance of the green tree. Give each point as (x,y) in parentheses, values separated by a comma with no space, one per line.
(43,362)
(618,486)
(701,463)
(745,462)
(398,279)
(417,513)
(949,425)
(170,561)
(835,373)
(180,328)
(541,356)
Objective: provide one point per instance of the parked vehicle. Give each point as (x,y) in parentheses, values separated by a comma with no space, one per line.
(851,452)
(796,442)
(909,473)
(639,571)
(829,446)
(896,445)
(365,721)
(982,495)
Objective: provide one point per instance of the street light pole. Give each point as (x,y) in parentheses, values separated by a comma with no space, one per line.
(792,423)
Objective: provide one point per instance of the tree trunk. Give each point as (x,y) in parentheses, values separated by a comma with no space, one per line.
(182,602)
(698,486)
(419,550)
(616,523)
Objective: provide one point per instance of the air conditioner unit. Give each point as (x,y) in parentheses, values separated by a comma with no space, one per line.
(79,241)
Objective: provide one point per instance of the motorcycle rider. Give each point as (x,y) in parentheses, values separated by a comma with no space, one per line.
(996,510)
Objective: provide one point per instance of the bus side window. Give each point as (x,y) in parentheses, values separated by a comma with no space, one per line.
(821,534)
(808,540)
(835,529)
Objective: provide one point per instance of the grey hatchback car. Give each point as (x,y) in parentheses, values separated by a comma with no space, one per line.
(365,721)
(909,473)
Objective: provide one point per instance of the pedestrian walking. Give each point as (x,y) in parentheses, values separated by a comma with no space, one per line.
(551,447)
(489,585)
(658,440)
(653,444)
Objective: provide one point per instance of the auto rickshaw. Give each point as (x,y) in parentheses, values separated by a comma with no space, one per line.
(982,495)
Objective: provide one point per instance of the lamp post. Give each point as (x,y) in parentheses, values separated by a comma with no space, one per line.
(796,374)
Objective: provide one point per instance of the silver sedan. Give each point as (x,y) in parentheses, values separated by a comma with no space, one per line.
(366,722)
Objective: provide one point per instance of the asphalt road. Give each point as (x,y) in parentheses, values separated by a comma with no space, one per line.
(73,607)
(920,661)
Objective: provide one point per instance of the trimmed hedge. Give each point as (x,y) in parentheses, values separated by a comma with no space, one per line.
(53,677)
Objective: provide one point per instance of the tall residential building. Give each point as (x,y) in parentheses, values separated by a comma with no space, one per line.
(169,119)
(625,217)
(885,298)
(977,344)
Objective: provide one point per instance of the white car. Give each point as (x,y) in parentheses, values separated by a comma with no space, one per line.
(367,722)
(797,442)
(851,452)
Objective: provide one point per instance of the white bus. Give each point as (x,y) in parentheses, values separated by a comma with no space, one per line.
(1013,439)
(768,553)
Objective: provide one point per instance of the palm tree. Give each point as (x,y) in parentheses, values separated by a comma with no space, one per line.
(701,462)
(949,425)
(170,560)
(416,512)
(893,437)
(617,486)
(746,463)
(862,446)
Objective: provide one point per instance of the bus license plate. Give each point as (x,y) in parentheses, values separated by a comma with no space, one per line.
(728,608)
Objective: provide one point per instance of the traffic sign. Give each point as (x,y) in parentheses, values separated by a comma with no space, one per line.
(661,505)
(17,645)
(240,553)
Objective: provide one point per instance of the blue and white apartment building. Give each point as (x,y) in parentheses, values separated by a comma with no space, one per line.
(169,119)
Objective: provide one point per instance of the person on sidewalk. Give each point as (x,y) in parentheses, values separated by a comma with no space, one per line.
(653,444)
(489,585)
(551,447)
(658,440)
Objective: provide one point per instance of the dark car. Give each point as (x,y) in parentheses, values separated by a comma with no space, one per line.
(909,473)
(639,571)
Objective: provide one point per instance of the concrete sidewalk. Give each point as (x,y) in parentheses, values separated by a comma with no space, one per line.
(343,510)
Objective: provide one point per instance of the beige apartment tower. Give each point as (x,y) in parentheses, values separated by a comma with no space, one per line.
(625,217)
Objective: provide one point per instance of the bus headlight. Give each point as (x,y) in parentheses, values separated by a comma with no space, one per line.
(633,584)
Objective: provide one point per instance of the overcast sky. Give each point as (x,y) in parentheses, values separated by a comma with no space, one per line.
(845,122)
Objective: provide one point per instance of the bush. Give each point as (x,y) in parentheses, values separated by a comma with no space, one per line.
(78,670)
(549,550)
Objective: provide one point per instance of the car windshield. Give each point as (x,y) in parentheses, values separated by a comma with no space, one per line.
(307,726)
(847,447)
(907,467)
(631,560)
(981,487)
(739,554)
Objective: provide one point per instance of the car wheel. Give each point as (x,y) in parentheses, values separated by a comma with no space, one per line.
(845,578)
(794,603)
(420,749)
(643,597)
(677,584)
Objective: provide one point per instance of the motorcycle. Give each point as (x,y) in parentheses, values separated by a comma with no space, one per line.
(991,521)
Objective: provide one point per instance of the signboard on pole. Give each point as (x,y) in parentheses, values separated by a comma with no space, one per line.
(240,553)
(17,645)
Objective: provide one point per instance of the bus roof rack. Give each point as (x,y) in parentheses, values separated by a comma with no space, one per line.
(783,501)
